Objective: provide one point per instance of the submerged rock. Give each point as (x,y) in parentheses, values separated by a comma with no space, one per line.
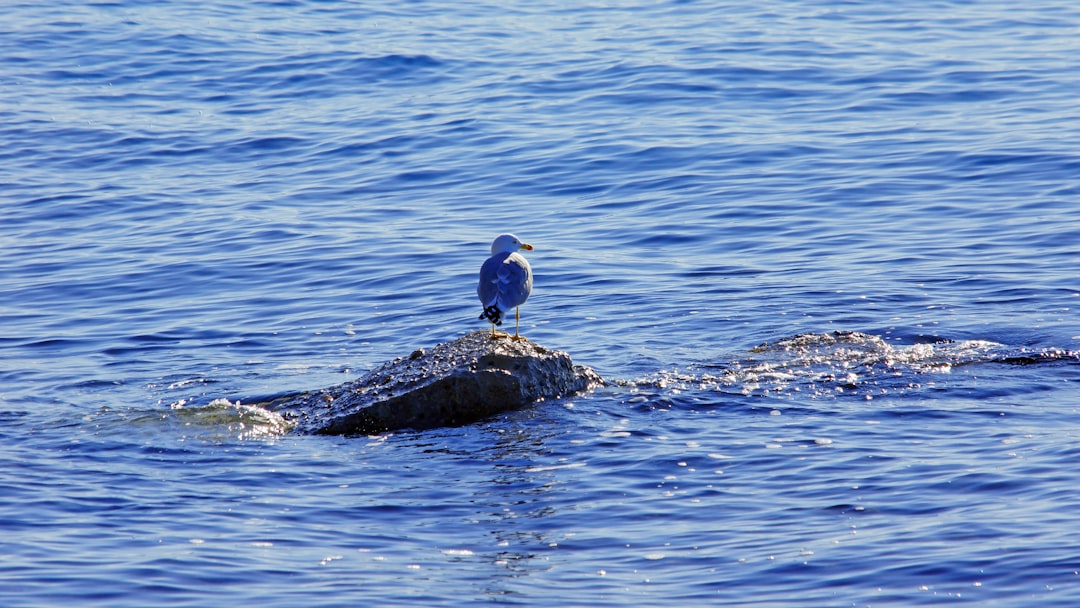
(450,384)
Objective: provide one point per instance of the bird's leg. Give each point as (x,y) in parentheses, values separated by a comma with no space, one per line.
(517,323)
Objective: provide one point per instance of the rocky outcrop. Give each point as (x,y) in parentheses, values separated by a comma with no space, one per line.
(450,384)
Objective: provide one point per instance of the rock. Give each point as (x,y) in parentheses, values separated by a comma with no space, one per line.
(450,384)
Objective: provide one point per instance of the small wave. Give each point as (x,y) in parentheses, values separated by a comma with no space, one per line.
(237,419)
(846,362)
(218,420)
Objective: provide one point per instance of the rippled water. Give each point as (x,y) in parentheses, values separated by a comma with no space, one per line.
(825,251)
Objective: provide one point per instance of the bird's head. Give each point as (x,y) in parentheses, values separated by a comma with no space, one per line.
(508,243)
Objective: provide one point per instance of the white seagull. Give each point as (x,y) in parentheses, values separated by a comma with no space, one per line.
(505,282)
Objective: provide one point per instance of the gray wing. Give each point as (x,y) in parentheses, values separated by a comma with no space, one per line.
(505,281)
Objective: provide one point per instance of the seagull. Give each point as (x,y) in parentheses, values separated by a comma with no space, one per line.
(505,282)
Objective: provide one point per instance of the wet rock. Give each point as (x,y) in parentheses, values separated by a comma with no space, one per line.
(449,384)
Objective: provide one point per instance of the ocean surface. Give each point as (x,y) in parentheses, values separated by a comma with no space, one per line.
(826,252)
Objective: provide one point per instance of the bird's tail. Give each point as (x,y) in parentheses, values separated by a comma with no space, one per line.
(493,314)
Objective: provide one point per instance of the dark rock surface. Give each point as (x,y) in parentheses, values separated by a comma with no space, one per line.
(450,384)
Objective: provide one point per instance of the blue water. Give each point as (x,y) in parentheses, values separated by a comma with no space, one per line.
(210,201)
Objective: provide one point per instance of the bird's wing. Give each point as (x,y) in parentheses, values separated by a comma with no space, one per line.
(515,281)
(488,288)
(505,281)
